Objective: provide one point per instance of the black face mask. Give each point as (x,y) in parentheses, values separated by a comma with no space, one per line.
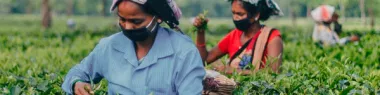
(243,24)
(337,28)
(139,34)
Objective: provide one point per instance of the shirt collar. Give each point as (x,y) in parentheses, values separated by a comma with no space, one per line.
(161,48)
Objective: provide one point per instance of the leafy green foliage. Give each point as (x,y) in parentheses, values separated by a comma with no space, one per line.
(190,8)
(35,61)
(308,69)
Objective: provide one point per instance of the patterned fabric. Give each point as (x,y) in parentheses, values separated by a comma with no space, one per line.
(322,13)
(167,10)
(270,3)
(177,11)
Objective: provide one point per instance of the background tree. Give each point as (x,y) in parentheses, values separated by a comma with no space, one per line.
(217,8)
(46,14)
(69,8)
(104,11)
(362,11)
(342,5)
(5,6)
(373,11)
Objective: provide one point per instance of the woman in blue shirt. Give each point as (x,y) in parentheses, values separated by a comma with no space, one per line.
(144,58)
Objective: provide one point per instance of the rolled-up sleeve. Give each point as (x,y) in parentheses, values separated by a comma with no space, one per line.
(189,79)
(88,70)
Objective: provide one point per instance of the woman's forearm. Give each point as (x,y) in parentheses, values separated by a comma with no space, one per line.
(201,44)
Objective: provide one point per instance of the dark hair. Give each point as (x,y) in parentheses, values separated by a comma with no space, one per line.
(261,7)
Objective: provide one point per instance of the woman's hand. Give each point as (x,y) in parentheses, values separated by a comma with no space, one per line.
(200,23)
(82,88)
(354,38)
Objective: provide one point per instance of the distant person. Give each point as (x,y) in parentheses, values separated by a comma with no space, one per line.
(250,42)
(70,23)
(144,58)
(323,34)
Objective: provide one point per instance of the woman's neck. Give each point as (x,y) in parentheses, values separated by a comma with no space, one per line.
(255,27)
(142,48)
(145,45)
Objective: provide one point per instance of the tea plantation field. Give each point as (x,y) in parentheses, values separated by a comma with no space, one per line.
(35,60)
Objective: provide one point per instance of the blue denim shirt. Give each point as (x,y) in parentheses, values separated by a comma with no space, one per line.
(172,66)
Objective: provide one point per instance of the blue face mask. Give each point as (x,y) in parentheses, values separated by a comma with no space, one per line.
(139,34)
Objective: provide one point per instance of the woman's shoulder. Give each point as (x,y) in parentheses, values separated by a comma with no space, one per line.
(176,36)
(275,33)
(179,40)
(117,37)
(235,33)
(116,41)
